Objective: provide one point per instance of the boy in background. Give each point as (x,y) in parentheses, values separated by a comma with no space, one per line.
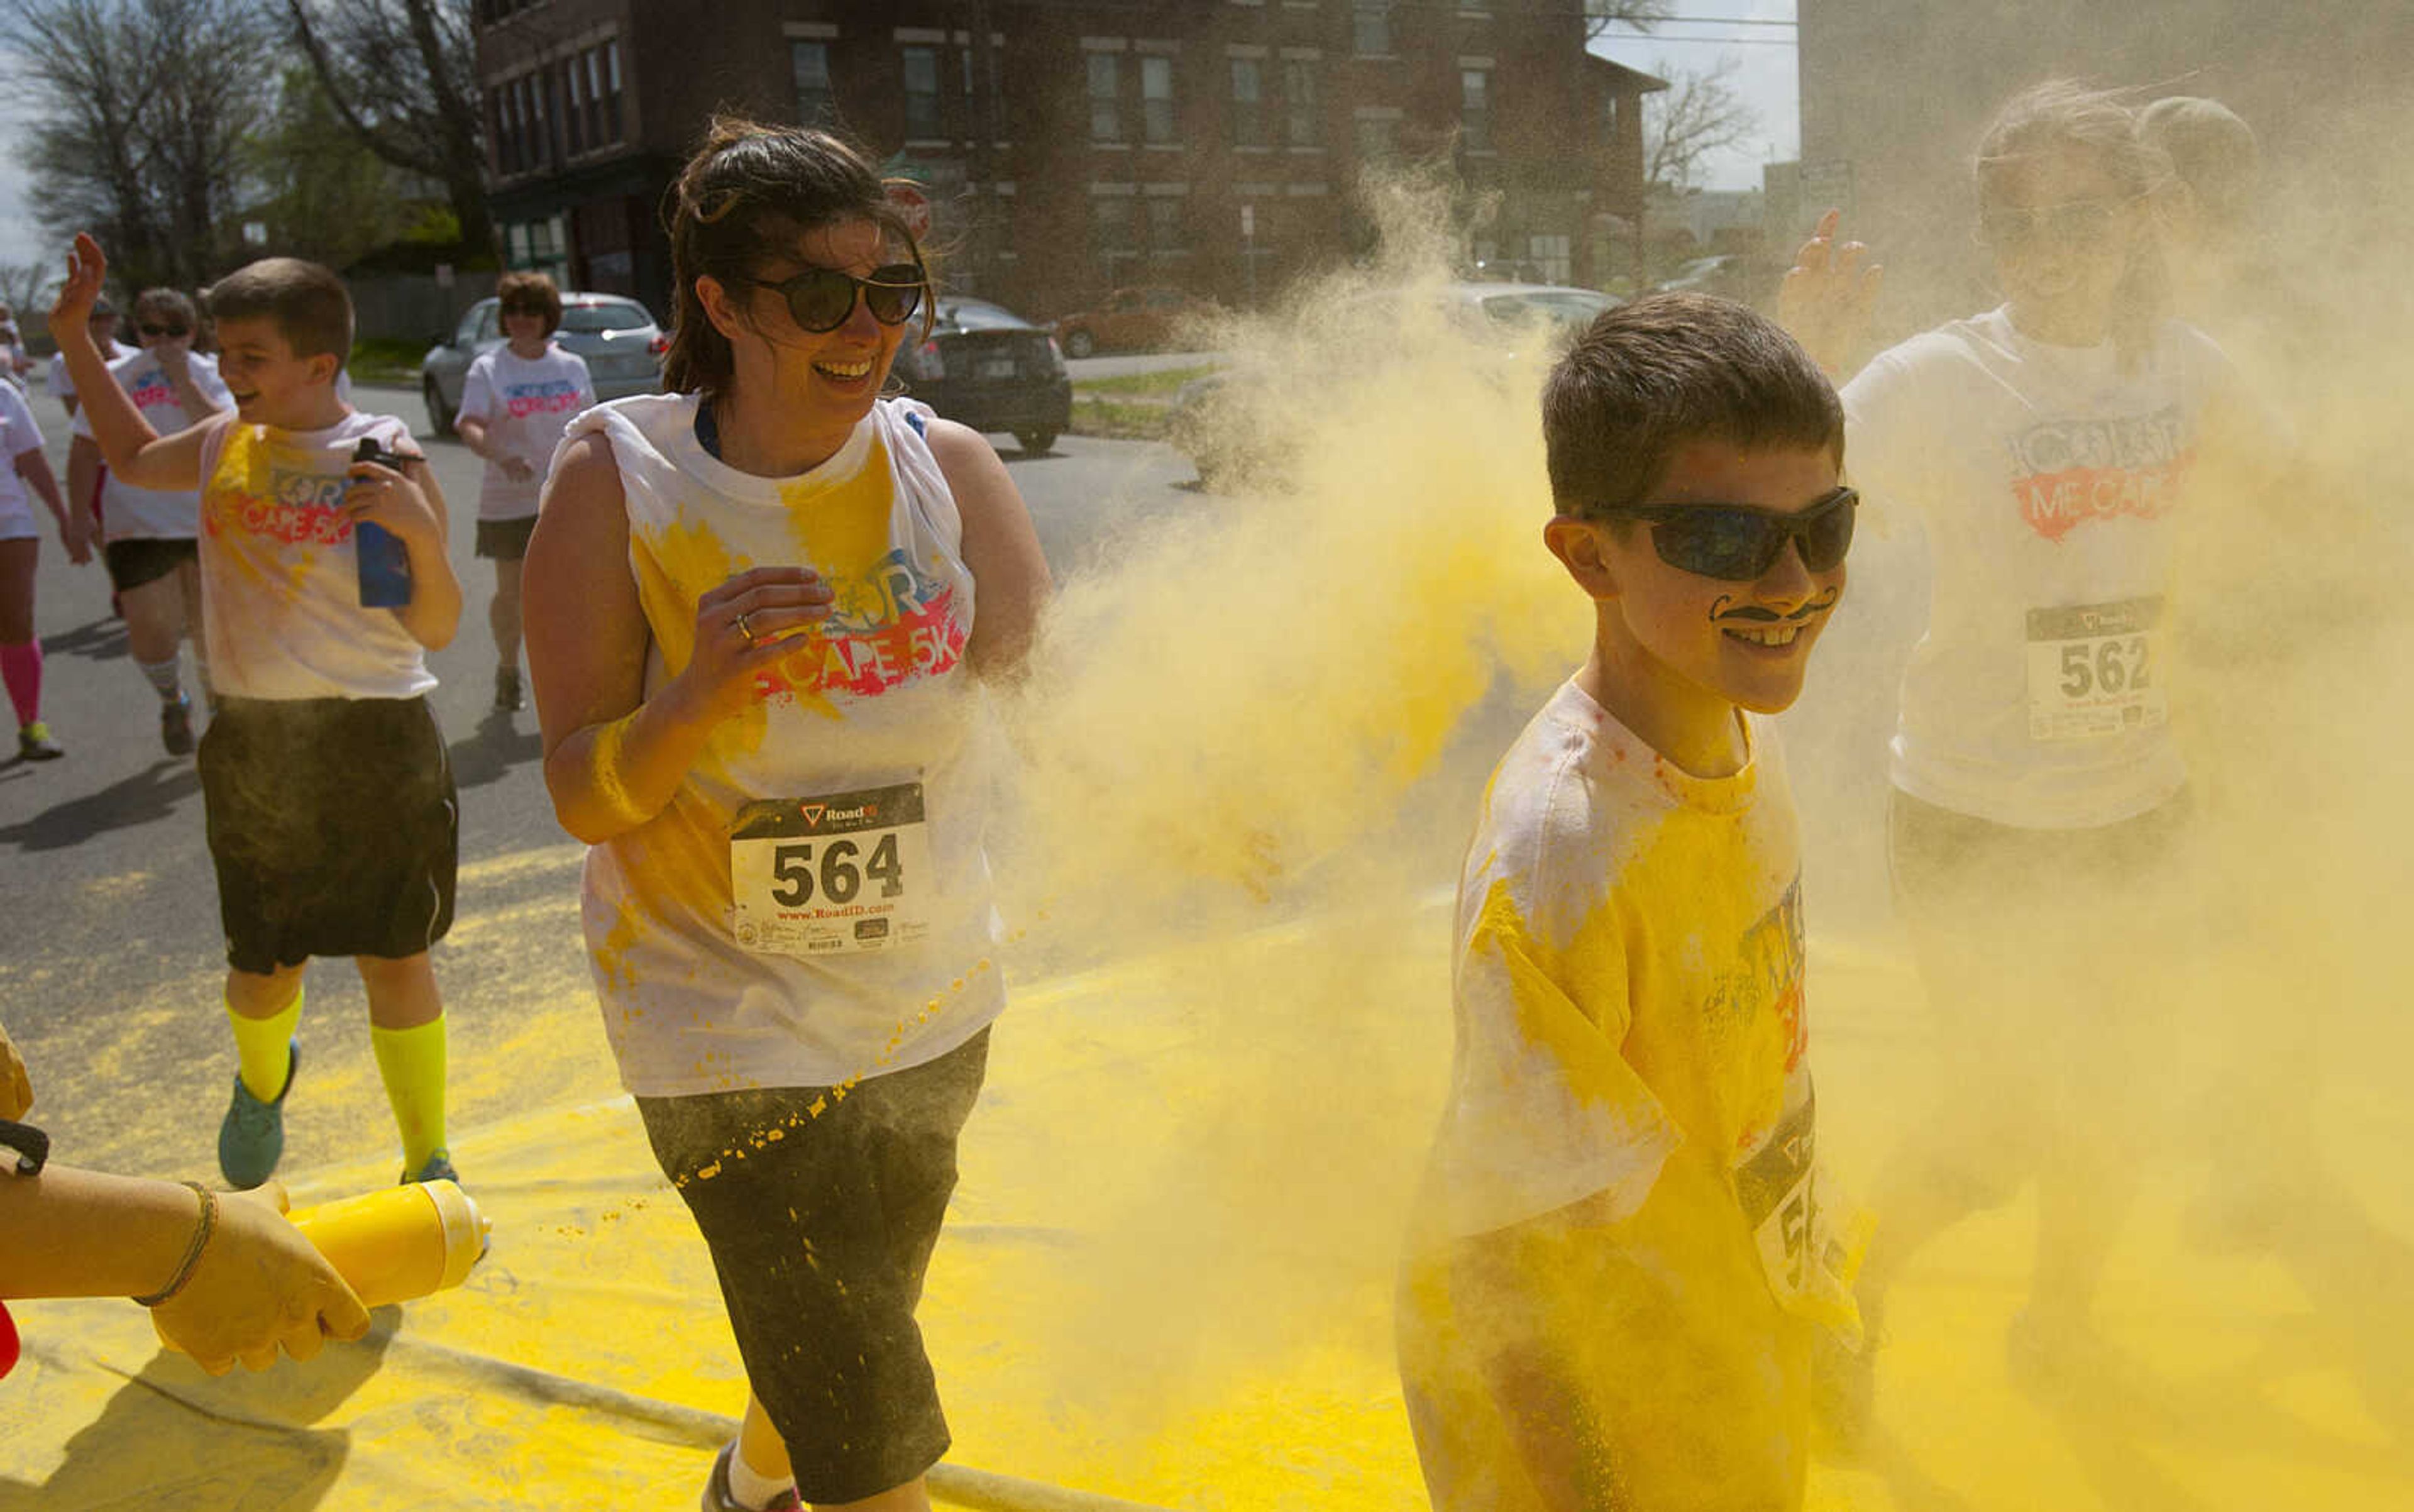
(1623,1248)
(332,819)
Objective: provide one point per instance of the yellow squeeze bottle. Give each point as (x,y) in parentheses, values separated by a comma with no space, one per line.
(403,1242)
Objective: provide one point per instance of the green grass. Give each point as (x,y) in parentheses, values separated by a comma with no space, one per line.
(1095,416)
(1161,384)
(385,360)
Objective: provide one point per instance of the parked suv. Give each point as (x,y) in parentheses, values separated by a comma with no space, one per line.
(1131,320)
(617,336)
(985,367)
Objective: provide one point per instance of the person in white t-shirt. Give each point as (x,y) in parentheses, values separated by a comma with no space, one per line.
(152,546)
(2039,817)
(14,364)
(24,476)
(103,326)
(515,402)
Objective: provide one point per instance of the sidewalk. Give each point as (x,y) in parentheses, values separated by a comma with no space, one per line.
(1166,1281)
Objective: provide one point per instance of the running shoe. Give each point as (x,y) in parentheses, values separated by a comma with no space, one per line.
(719,1498)
(507,690)
(252,1139)
(176,727)
(436,1167)
(34,743)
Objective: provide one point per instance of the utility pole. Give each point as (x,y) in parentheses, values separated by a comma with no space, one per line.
(982,192)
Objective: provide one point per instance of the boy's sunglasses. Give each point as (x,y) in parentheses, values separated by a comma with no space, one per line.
(1739,543)
(821,299)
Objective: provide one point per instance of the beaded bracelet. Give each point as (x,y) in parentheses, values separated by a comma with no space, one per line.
(193,1253)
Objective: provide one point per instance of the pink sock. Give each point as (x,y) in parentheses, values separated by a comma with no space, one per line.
(21,668)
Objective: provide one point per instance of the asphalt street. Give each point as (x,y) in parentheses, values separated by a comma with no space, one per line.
(111,974)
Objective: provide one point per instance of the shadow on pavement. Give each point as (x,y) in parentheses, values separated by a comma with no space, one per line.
(100,640)
(242,1439)
(152,793)
(491,750)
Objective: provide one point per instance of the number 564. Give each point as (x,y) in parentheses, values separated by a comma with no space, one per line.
(793,872)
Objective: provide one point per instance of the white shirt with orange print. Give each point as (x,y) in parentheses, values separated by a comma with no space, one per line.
(877,698)
(2053,487)
(1631,1036)
(281,575)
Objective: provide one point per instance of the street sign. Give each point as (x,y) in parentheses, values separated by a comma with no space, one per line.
(912,205)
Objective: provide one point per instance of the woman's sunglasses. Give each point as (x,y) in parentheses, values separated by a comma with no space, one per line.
(1739,543)
(154,332)
(821,299)
(2073,223)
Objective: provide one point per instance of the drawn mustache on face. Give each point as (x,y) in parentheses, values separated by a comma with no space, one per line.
(1727,608)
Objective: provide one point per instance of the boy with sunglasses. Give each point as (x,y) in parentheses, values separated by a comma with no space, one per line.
(151,546)
(1624,1250)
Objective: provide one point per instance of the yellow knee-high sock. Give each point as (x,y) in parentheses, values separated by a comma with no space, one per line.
(261,1048)
(411,1061)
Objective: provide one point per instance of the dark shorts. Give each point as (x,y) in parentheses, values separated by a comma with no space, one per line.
(505,540)
(133,563)
(821,1228)
(333,828)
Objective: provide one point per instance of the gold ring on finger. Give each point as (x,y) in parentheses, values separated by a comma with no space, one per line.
(745,625)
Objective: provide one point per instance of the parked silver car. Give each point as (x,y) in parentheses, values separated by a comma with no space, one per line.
(617,336)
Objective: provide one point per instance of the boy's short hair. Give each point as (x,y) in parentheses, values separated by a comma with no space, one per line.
(531,294)
(1655,373)
(308,305)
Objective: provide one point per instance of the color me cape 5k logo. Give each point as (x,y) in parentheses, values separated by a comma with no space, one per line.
(889,626)
(2074,470)
(287,501)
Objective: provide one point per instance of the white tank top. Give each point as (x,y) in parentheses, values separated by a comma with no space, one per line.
(280,576)
(860,939)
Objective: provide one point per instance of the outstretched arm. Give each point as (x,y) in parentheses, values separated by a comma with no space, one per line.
(140,457)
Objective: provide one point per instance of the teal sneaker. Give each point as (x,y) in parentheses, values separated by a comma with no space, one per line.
(252,1139)
(438,1167)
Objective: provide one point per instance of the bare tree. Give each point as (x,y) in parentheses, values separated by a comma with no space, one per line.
(402,77)
(26,288)
(1697,115)
(1601,16)
(137,110)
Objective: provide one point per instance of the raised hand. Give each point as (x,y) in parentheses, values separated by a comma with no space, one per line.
(86,269)
(1826,298)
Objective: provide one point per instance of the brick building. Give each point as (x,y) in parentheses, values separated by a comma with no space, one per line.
(1214,144)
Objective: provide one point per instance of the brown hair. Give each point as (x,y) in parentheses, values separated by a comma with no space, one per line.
(748,193)
(172,305)
(1655,373)
(307,303)
(2062,114)
(530,294)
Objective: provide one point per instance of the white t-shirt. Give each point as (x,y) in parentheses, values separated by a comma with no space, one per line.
(131,514)
(19,434)
(875,711)
(63,385)
(281,575)
(2052,486)
(525,404)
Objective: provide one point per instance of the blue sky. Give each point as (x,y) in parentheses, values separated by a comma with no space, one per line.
(1765,78)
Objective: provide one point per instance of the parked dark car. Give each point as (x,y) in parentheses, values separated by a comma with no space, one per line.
(985,367)
(617,336)
(1131,320)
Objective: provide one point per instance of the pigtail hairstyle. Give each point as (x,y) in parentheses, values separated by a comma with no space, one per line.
(2060,113)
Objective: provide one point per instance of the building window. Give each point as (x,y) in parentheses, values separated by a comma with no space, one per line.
(1164,225)
(539,246)
(1156,100)
(1371,28)
(1110,230)
(1248,103)
(612,92)
(996,91)
(1106,107)
(816,103)
(1475,108)
(1377,137)
(1609,117)
(923,120)
(574,87)
(1554,258)
(1301,127)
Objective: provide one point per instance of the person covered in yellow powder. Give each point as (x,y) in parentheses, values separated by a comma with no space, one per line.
(2041,830)
(1624,1250)
(328,793)
(753,640)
